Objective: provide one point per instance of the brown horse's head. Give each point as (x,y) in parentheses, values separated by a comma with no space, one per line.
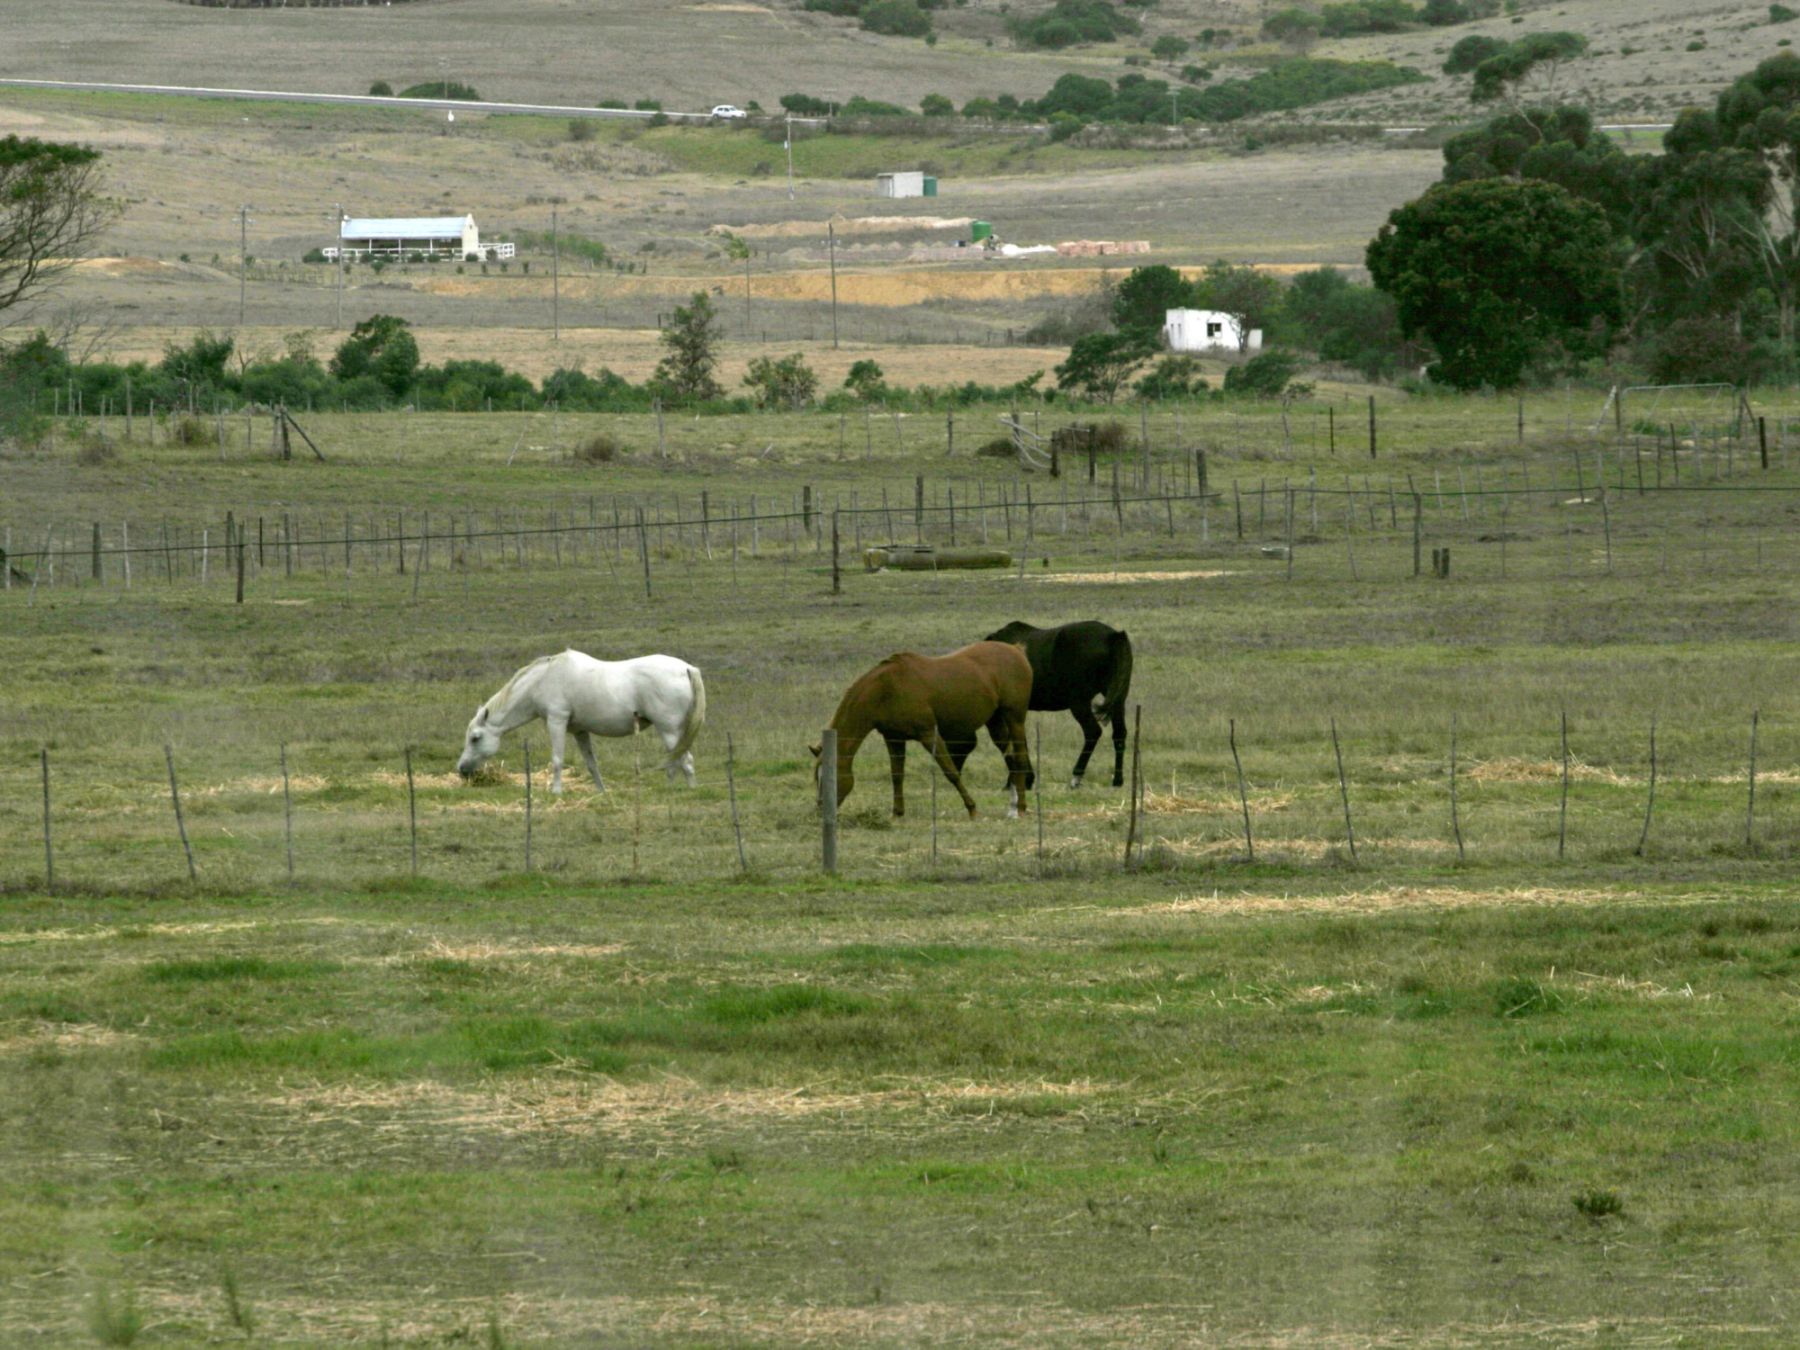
(846,779)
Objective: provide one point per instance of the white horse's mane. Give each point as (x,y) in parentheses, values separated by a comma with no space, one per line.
(503,695)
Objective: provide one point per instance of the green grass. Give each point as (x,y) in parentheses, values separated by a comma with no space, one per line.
(639,1094)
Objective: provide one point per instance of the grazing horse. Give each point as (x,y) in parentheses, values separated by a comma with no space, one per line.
(1071,666)
(940,702)
(572,691)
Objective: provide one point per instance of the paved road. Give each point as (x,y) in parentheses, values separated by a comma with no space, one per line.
(354,100)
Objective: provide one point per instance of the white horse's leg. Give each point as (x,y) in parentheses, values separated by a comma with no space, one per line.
(558,728)
(586,742)
(671,737)
(1012,801)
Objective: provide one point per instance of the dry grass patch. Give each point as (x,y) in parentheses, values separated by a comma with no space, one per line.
(1111,578)
(1389,899)
(22,1037)
(574,1103)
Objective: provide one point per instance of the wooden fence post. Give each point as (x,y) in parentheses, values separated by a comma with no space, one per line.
(737,830)
(1650,804)
(1455,822)
(1243,797)
(527,806)
(1562,815)
(180,824)
(1343,790)
(1037,788)
(828,803)
(287,815)
(412,813)
(1750,813)
(644,549)
(44,769)
(837,581)
(1371,426)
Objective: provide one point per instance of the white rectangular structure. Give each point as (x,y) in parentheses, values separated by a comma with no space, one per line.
(1206,330)
(910,183)
(402,236)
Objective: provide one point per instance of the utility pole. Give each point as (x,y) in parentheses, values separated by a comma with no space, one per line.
(1174,107)
(337,216)
(243,257)
(831,243)
(555,283)
(787,144)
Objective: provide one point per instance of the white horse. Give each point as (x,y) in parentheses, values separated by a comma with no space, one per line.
(572,691)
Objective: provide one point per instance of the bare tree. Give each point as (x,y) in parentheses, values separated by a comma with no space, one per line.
(51,211)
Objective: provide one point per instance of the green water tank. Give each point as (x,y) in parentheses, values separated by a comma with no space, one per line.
(930,186)
(979,230)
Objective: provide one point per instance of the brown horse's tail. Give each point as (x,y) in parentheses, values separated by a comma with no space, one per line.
(1118,684)
(696,714)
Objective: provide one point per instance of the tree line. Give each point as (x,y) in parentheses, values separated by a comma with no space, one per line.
(1546,248)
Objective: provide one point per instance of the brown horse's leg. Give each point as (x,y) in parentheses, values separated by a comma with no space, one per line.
(1007,727)
(941,753)
(897,767)
(1090,737)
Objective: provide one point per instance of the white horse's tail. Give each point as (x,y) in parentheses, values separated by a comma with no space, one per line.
(696,714)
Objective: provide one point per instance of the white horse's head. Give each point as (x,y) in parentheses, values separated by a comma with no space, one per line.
(480,744)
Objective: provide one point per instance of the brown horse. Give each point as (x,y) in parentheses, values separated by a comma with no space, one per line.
(940,702)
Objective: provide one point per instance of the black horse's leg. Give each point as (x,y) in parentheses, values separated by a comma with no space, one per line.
(897,768)
(1118,721)
(1090,737)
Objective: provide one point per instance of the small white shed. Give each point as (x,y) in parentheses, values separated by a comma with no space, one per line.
(910,183)
(1206,330)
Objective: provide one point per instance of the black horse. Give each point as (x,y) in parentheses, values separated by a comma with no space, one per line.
(1072,666)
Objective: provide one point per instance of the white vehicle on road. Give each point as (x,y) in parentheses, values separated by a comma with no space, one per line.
(728,112)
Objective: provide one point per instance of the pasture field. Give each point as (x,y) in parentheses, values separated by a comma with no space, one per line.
(974,1089)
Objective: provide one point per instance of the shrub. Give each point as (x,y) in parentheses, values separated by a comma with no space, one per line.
(95,451)
(1001,447)
(858,106)
(805,105)
(1104,438)
(381,89)
(936,105)
(1704,349)
(441,89)
(896,18)
(1782,14)
(602,448)
(1598,1204)
(581,129)
(787,383)
(189,431)
(1068,22)
(1263,376)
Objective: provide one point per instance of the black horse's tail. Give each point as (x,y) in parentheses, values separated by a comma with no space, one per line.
(1118,683)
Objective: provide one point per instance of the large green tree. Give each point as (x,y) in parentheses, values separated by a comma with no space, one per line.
(1251,297)
(1500,275)
(690,344)
(51,212)
(1146,295)
(381,346)
(1100,364)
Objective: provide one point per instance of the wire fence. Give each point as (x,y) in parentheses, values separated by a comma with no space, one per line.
(1641,493)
